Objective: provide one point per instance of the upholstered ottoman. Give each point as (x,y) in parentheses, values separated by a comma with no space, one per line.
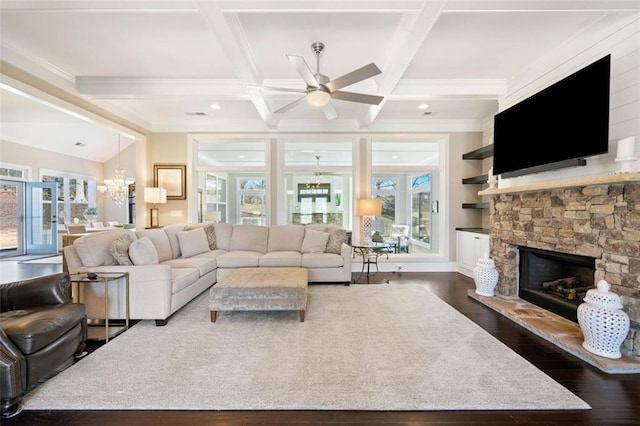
(260,289)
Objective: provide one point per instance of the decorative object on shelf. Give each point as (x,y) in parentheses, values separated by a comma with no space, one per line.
(603,322)
(117,188)
(368,209)
(492,180)
(90,214)
(155,196)
(173,178)
(626,156)
(485,276)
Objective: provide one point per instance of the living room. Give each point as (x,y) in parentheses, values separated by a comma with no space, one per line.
(145,102)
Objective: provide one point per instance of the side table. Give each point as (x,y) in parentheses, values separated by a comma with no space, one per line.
(98,332)
(370,254)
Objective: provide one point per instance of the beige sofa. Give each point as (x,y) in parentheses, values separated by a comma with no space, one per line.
(170,266)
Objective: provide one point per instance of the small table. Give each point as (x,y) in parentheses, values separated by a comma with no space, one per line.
(95,333)
(370,254)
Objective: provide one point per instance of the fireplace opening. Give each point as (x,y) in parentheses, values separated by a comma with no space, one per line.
(555,281)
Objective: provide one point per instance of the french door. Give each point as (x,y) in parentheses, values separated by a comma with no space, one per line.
(11,218)
(41,213)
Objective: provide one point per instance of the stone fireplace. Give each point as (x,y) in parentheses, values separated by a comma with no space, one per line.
(600,221)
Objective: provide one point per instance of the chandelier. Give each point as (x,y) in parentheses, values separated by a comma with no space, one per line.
(117,188)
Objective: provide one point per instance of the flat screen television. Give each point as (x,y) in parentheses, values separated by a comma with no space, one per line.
(556,127)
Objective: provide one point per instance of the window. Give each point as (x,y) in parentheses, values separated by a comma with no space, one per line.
(251,198)
(318,182)
(386,189)
(421,209)
(75,193)
(232,181)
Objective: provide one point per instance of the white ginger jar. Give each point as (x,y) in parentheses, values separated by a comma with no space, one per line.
(603,322)
(485,275)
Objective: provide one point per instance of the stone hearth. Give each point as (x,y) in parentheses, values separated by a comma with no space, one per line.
(599,220)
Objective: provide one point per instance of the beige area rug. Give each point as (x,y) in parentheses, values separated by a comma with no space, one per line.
(360,348)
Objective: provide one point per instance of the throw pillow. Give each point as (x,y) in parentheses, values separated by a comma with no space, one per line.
(143,252)
(210,230)
(314,241)
(193,242)
(337,236)
(119,249)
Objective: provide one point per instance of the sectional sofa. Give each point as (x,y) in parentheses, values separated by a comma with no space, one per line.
(170,266)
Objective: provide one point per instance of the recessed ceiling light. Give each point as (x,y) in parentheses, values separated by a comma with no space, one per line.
(215,106)
(241,156)
(395,157)
(423,106)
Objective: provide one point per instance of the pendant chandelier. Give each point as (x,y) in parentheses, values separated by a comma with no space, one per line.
(117,188)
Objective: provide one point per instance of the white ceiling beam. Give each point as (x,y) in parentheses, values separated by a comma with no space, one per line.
(489,88)
(412,32)
(99,87)
(229,34)
(496,6)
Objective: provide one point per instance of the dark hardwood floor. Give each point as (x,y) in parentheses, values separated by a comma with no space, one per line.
(615,399)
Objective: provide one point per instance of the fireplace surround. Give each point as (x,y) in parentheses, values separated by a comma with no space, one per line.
(599,221)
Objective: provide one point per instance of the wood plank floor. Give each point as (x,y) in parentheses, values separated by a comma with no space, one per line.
(615,398)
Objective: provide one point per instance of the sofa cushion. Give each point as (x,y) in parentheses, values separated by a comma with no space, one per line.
(143,252)
(209,230)
(119,248)
(321,260)
(285,238)
(281,259)
(160,240)
(239,259)
(223,235)
(172,231)
(202,264)
(182,278)
(193,242)
(314,241)
(93,249)
(249,238)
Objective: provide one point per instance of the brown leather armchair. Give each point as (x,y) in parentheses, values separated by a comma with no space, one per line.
(40,330)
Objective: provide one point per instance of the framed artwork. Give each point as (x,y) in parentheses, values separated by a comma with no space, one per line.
(173,178)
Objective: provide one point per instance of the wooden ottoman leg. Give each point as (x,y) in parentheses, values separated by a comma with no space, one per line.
(301,315)
(213,315)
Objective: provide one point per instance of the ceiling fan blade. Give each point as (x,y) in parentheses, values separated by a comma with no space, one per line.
(277,89)
(353,77)
(303,69)
(357,97)
(288,106)
(329,111)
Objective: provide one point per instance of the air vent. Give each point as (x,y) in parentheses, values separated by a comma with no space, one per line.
(79,144)
(426,113)
(196,113)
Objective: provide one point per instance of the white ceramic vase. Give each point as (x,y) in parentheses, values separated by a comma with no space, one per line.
(603,322)
(485,276)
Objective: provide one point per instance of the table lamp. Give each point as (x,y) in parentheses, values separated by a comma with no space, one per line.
(155,196)
(368,209)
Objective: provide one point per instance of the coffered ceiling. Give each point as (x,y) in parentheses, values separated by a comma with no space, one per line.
(161,64)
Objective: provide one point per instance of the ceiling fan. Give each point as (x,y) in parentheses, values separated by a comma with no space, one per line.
(320,90)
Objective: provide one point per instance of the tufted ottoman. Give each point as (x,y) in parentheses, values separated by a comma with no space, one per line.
(260,289)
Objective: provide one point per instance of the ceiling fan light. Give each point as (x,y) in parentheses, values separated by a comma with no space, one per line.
(318,97)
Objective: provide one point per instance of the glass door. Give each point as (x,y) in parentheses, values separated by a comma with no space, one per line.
(41,217)
(11,218)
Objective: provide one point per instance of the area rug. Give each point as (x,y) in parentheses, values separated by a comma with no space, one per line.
(391,347)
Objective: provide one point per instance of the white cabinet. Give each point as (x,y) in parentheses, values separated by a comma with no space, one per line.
(470,247)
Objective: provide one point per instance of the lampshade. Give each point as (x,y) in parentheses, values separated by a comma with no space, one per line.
(155,195)
(318,97)
(368,207)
